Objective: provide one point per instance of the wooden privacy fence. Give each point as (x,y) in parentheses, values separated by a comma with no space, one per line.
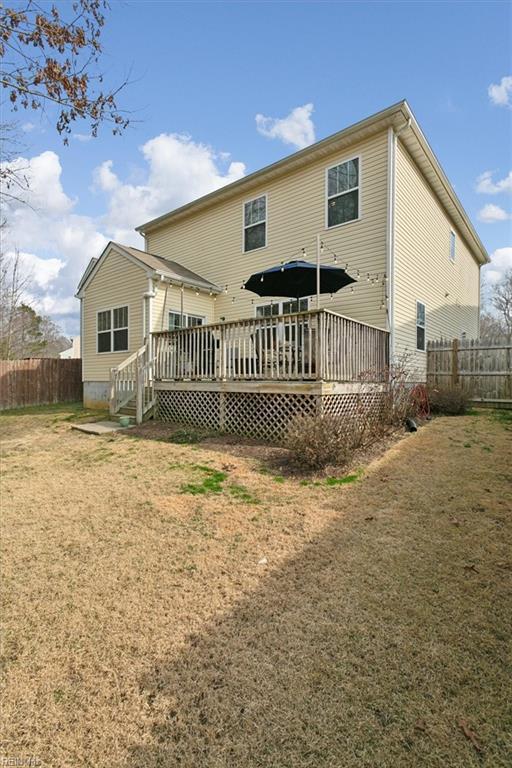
(481,367)
(39,382)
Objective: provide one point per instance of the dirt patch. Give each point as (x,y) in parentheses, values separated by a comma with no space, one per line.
(266,620)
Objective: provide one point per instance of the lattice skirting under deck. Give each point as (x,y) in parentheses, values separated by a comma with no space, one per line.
(261,415)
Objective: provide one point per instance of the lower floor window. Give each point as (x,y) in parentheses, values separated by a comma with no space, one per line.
(112,330)
(282,307)
(178,320)
(420,326)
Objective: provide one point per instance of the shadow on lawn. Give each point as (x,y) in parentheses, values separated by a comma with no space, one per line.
(365,650)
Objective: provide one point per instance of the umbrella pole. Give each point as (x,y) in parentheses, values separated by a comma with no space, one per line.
(318,271)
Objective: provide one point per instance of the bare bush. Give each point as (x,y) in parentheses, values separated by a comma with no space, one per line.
(448,401)
(316,441)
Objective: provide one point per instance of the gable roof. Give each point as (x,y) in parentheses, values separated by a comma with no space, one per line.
(400,117)
(156,266)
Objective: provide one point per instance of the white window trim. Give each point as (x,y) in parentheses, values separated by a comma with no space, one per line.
(359,185)
(112,329)
(185,315)
(416,326)
(454,234)
(251,200)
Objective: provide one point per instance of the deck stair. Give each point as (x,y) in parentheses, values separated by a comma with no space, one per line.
(131,386)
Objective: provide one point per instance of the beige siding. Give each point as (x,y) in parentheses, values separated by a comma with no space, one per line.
(210,242)
(423,269)
(118,282)
(168,297)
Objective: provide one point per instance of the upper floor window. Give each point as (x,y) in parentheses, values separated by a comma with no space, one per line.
(255,223)
(177,320)
(112,327)
(452,245)
(343,193)
(420,326)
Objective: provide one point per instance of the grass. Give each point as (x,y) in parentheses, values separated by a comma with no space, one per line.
(212,483)
(335,623)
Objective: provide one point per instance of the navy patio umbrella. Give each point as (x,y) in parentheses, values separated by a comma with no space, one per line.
(296,279)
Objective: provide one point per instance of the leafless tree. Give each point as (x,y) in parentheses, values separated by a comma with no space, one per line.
(50,56)
(501,300)
(23,331)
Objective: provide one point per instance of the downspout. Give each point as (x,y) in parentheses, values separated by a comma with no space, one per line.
(148,300)
(390,233)
(82,334)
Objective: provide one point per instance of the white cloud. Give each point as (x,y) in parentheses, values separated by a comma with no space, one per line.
(487,186)
(179,170)
(57,241)
(501,262)
(491,213)
(42,177)
(501,93)
(42,271)
(297,128)
(27,127)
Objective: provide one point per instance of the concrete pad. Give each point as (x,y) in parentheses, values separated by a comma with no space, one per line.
(100,427)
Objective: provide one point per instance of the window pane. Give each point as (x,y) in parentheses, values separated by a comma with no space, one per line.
(174,321)
(193,320)
(295,306)
(343,177)
(104,321)
(420,314)
(452,246)
(420,338)
(121,317)
(121,340)
(255,211)
(343,208)
(104,342)
(254,237)
(267,310)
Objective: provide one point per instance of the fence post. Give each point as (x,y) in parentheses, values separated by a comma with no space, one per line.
(455,363)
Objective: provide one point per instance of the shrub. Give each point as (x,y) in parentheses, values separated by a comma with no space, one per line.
(316,441)
(448,401)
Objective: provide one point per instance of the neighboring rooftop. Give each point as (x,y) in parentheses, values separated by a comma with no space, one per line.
(401,118)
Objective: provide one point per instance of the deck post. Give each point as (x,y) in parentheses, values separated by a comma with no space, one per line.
(139,391)
(112,398)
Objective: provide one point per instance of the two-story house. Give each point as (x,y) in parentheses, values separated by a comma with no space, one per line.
(371,199)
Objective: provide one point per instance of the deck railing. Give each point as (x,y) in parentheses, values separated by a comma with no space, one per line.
(314,345)
(132,381)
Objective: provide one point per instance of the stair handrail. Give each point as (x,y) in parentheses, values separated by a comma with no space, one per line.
(123,380)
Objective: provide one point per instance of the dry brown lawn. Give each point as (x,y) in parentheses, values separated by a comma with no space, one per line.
(183,605)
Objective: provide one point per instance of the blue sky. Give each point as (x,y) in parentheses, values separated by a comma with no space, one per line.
(205,70)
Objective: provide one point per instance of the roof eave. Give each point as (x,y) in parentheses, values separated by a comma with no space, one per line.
(369,125)
(464,222)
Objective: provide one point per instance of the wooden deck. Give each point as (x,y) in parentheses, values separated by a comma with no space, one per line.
(318,345)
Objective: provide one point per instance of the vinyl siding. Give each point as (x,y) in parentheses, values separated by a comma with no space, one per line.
(118,282)
(210,242)
(168,297)
(423,269)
